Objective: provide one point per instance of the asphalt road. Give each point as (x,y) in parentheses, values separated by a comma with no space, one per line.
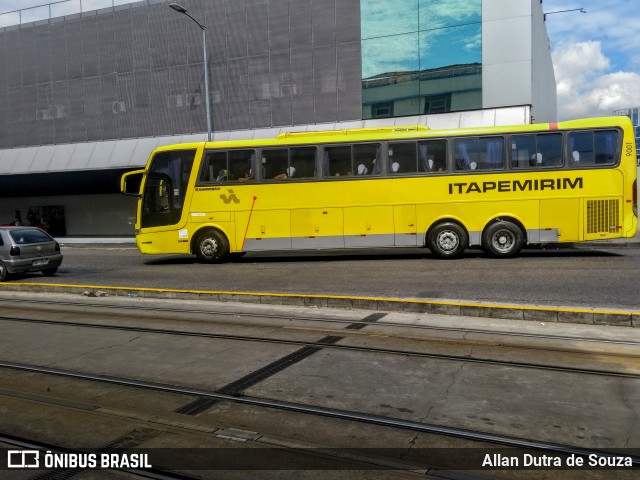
(606,278)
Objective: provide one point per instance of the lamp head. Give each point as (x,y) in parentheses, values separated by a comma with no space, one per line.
(178,8)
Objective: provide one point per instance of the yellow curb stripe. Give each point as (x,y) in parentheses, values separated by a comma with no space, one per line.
(454,303)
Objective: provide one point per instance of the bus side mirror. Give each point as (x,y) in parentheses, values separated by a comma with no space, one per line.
(130,182)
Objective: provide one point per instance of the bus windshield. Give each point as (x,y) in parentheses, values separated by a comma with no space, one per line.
(165,188)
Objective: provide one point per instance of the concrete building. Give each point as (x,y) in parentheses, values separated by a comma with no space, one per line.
(85,96)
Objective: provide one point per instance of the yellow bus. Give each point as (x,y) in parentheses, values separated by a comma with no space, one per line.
(498,188)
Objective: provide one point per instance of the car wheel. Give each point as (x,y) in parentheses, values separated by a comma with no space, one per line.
(211,246)
(49,272)
(447,240)
(4,274)
(503,239)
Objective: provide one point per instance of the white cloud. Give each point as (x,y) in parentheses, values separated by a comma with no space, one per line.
(586,87)
(613,22)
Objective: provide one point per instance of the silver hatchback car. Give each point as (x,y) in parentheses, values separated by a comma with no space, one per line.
(28,249)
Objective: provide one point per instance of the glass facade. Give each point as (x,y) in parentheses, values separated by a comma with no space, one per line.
(420,56)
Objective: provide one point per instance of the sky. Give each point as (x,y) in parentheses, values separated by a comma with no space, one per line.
(596,55)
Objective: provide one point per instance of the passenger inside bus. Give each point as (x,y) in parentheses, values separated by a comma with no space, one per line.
(290,172)
(245,177)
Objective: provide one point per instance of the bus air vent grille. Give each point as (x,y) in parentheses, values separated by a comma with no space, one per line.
(602,216)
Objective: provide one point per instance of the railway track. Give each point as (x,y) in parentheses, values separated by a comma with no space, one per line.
(355,338)
(330,342)
(215,315)
(478,438)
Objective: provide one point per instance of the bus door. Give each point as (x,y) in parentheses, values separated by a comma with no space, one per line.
(165,188)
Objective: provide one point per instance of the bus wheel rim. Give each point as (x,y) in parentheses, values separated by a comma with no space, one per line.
(503,241)
(448,240)
(209,247)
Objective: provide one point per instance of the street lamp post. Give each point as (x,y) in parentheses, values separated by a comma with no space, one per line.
(581,10)
(181,9)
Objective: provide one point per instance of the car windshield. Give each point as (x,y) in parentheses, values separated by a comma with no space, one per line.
(26,236)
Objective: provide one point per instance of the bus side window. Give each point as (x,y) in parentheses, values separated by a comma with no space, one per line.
(241,166)
(491,153)
(432,156)
(275,164)
(402,158)
(337,161)
(606,143)
(366,157)
(549,150)
(581,149)
(523,149)
(215,168)
(536,151)
(302,161)
(465,153)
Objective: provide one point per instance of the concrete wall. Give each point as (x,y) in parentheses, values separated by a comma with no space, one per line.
(506,53)
(516,59)
(96,215)
(543,89)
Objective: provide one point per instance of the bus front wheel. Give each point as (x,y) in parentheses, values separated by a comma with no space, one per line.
(503,239)
(211,246)
(447,240)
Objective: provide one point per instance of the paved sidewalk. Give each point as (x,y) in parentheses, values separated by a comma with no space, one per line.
(96,240)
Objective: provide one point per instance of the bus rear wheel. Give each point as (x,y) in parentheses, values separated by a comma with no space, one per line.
(211,246)
(503,239)
(447,240)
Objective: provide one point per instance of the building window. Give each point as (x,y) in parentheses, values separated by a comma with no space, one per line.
(382,110)
(437,103)
(406,62)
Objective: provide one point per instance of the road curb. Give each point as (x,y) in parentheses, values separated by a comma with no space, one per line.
(603,245)
(610,317)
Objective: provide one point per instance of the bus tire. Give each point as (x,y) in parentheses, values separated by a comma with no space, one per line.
(447,240)
(4,274)
(211,246)
(503,239)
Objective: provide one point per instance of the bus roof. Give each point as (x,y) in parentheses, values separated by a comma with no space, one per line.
(400,132)
(355,131)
